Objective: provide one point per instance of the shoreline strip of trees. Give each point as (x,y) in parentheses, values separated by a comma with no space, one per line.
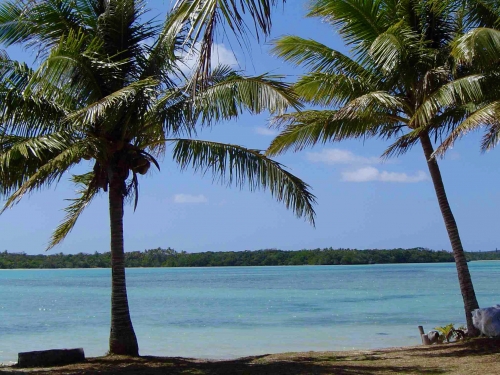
(268,257)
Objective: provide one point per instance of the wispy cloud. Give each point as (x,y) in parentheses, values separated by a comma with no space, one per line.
(452,155)
(367,174)
(223,56)
(361,168)
(266,131)
(338,156)
(186,198)
(220,56)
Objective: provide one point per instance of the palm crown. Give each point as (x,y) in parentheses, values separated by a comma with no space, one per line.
(479,50)
(109,89)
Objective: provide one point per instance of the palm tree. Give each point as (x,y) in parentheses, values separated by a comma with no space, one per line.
(401,84)
(108,89)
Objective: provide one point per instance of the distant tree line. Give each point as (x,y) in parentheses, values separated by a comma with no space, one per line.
(270,257)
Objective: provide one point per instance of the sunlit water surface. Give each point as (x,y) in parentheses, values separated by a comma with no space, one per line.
(230,312)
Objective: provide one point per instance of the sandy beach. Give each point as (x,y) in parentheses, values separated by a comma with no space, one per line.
(478,356)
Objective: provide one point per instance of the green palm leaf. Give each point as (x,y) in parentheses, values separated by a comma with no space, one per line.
(488,115)
(316,56)
(392,48)
(86,193)
(89,115)
(37,24)
(51,171)
(237,165)
(232,94)
(327,89)
(457,92)
(480,45)
(359,22)
(301,130)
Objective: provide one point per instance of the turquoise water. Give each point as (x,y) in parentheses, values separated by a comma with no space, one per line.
(237,311)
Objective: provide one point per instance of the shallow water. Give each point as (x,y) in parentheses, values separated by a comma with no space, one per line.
(229,312)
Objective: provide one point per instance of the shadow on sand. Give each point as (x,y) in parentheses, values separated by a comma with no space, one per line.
(440,359)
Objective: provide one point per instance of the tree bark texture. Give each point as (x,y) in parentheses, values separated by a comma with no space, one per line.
(464,278)
(122,339)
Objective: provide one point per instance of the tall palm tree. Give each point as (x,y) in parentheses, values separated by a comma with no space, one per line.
(401,84)
(108,89)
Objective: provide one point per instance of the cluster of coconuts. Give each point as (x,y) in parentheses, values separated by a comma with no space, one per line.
(140,164)
(137,162)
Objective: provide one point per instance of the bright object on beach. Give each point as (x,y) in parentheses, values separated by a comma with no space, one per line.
(487,320)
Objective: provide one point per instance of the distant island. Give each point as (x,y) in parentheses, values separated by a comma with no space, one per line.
(270,257)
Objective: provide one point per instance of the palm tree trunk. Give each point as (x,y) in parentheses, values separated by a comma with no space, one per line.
(122,339)
(464,278)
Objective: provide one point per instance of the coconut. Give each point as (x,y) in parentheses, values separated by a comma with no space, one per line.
(139,161)
(143,169)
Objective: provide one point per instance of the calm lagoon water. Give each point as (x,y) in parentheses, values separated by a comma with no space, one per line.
(237,311)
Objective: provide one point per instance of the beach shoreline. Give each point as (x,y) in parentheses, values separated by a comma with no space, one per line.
(477,356)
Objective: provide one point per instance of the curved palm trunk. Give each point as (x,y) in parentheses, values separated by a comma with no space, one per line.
(122,339)
(464,279)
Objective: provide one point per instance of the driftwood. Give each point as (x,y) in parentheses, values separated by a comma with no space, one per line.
(53,357)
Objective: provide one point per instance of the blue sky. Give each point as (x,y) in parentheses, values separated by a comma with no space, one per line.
(362,203)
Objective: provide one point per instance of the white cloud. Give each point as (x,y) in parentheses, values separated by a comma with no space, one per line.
(186,198)
(338,156)
(362,167)
(223,56)
(366,174)
(266,131)
(220,56)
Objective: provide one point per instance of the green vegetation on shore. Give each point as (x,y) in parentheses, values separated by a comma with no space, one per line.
(269,257)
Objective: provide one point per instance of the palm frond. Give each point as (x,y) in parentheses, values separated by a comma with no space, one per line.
(68,73)
(37,24)
(317,57)
(327,89)
(483,13)
(457,92)
(123,32)
(491,138)
(12,147)
(307,128)
(13,74)
(29,115)
(403,144)
(359,22)
(478,46)
(376,102)
(240,166)
(301,130)
(232,94)
(391,48)
(163,57)
(174,112)
(51,171)
(86,193)
(487,116)
(90,114)
(20,157)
